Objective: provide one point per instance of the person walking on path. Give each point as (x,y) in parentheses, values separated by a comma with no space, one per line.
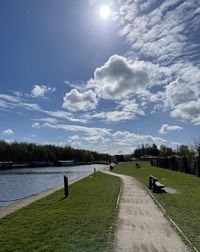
(141,225)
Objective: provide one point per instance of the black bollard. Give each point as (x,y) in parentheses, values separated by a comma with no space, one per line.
(66,190)
(150,182)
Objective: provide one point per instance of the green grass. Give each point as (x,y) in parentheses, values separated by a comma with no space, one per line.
(184,206)
(80,222)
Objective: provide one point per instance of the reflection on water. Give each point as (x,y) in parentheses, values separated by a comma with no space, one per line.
(16,184)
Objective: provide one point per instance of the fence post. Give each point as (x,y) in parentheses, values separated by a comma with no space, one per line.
(66,190)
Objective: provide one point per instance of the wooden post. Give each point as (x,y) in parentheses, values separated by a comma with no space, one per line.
(66,190)
(154,184)
(150,182)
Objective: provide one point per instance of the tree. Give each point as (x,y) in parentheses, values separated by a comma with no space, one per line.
(29,152)
(183,150)
(166,151)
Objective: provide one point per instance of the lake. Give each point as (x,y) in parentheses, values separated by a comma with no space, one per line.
(17,184)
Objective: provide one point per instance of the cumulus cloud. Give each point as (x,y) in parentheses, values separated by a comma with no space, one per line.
(179,92)
(8,132)
(40,91)
(165,128)
(188,111)
(182,96)
(117,78)
(76,101)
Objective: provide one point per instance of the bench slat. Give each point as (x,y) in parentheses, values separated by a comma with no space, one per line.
(158,184)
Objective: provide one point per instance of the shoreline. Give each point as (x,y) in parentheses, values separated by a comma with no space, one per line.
(29,165)
(4,211)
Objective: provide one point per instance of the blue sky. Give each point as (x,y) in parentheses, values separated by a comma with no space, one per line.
(69,76)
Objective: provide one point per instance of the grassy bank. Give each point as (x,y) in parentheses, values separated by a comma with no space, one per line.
(184,206)
(80,222)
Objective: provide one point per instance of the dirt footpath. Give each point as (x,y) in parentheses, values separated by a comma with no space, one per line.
(141,226)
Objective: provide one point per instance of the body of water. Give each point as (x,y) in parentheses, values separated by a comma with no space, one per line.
(16,184)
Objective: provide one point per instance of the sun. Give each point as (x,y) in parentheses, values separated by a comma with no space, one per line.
(105,11)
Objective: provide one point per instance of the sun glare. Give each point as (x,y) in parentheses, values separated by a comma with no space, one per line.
(105,11)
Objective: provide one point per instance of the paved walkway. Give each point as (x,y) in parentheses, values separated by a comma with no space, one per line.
(141,225)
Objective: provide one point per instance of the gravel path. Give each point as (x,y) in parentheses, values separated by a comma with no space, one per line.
(141,225)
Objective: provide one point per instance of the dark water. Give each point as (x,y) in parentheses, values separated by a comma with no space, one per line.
(16,184)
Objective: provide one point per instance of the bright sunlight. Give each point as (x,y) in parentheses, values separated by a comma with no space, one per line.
(105,11)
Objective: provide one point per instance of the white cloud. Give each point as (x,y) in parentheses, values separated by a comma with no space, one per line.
(47,119)
(40,91)
(182,95)
(126,110)
(117,78)
(160,32)
(179,92)
(120,77)
(9,98)
(165,128)
(9,141)
(105,140)
(13,102)
(74,138)
(188,111)
(8,132)
(76,101)
(65,116)
(157,97)
(91,131)
(36,125)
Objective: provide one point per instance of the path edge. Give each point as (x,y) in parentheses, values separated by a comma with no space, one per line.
(178,229)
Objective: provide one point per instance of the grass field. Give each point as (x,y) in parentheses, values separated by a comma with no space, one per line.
(80,222)
(184,206)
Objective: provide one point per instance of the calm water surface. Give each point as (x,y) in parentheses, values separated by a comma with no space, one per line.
(16,184)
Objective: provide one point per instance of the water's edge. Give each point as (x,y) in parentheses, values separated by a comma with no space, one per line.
(4,211)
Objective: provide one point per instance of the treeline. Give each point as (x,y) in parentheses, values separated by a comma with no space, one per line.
(163,151)
(29,152)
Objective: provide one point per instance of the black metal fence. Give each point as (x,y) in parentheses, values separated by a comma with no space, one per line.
(185,164)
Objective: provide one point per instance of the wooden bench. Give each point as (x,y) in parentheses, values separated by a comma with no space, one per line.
(155,185)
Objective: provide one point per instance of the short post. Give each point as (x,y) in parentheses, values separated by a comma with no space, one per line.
(66,190)
(94,175)
(154,184)
(150,182)
(111,167)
